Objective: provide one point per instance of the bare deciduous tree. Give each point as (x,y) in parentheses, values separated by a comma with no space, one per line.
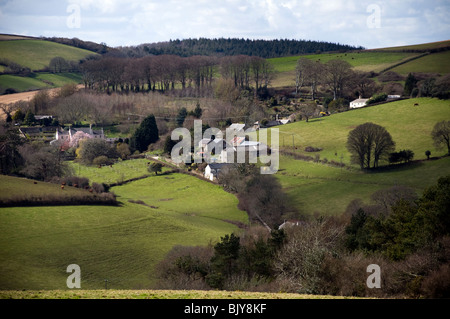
(368,143)
(441,135)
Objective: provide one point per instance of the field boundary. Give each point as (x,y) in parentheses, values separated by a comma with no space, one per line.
(404,62)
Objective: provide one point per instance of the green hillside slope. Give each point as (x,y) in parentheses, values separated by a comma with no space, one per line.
(36,54)
(318,187)
(376,60)
(119,244)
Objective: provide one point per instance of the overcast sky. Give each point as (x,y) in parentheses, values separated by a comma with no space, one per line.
(371,24)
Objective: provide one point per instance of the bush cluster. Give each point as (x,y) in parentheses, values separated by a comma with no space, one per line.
(407,236)
(59,200)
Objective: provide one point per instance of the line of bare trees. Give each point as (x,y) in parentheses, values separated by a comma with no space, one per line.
(336,76)
(150,73)
(168,72)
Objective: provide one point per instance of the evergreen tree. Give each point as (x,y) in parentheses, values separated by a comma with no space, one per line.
(146,134)
(198,111)
(29,118)
(410,84)
(181,116)
(18,116)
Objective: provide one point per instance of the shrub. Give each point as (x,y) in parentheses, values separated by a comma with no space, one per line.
(102,160)
(98,188)
(312,149)
(381,97)
(92,148)
(404,156)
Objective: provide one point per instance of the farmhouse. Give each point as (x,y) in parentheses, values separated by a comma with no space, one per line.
(358,103)
(213,170)
(67,135)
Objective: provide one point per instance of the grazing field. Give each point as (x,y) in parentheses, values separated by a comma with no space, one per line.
(437,63)
(21,83)
(38,81)
(410,127)
(317,187)
(117,173)
(36,54)
(375,60)
(26,188)
(119,244)
(361,60)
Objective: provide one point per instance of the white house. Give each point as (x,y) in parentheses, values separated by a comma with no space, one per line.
(358,103)
(213,170)
(251,148)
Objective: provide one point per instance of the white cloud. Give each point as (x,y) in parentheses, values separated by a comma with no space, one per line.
(119,22)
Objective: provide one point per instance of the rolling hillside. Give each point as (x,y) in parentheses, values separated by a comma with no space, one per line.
(308,184)
(121,244)
(36,55)
(398,59)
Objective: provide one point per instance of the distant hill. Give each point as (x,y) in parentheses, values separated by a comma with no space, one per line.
(429,58)
(431,47)
(226,47)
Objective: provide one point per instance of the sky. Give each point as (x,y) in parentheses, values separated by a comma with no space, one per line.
(371,24)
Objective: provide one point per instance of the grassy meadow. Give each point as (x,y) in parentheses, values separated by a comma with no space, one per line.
(120,244)
(410,127)
(375,60)
(318,188)
(38,81)
(321,188)
(36,54)
(117,173)
(23,187)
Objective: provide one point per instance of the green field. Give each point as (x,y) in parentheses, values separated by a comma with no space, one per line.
(121,244)
(409,125)
(23,187)
(36,54)
(21,83)
(434,63)
(38,81)
(362,60)
(119,172)
(317,187)
(372,60)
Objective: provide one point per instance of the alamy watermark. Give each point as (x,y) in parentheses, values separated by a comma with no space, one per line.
(73,21)
(73,280)
(236,146)
(374,19)
(374,280)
